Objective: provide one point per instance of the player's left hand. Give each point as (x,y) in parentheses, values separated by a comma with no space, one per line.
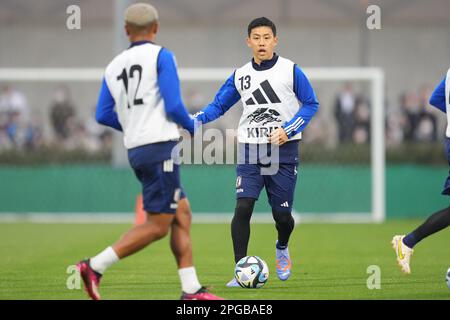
(278,137)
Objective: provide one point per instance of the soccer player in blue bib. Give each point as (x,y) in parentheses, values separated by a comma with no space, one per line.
(403,245)
(270,88)
(140,96)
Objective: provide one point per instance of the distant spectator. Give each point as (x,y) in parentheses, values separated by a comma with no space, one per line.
(345,113)
(62,112)
(14,113)
(419,122)
(106,140)
(361,132)
(428,123)
(12,101)
(83,140)
(33,136)
(318,131)
(195,100)
(410,108)
(5,143)
(102,135)
(426,130)
(394,129)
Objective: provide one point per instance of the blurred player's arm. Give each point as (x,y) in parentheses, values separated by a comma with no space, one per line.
(105,113)
(227,97)
(437,99)
(306,95)
(169,86)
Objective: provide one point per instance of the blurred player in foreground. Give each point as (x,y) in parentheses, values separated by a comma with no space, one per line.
(142,85)
(403,245)
(270,88)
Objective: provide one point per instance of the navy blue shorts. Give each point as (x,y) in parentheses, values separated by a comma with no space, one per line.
(446,191)
(280,187)
(160,179)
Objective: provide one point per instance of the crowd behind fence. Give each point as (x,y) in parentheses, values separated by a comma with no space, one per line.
(412,121)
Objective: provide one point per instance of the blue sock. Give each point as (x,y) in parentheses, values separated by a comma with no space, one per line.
(410,240)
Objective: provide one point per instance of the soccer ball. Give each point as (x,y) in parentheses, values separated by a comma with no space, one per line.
(448,278)
(251,272)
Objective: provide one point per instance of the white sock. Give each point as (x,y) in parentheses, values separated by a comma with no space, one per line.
(104,260)
(189,281)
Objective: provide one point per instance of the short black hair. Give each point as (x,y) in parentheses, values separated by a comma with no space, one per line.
(262,22)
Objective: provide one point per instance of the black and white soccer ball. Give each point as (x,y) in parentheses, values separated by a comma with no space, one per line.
(251,272)
(447,278)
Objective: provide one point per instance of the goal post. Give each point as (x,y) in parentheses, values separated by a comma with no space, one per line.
(374,77)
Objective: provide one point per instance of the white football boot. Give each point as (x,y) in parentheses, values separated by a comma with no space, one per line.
(403,253)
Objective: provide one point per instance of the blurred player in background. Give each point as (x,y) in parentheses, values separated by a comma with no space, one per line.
(141,84)
(403,245)
(270,88)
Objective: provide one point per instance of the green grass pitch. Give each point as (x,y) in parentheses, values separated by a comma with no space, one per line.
(329,262)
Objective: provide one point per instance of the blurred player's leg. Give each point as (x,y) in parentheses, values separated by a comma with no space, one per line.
(403,245)
(180,239)
(433,224)
(156,227)
(181,245)
(91,271)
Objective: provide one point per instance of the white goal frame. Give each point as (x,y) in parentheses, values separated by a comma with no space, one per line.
(375,77)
